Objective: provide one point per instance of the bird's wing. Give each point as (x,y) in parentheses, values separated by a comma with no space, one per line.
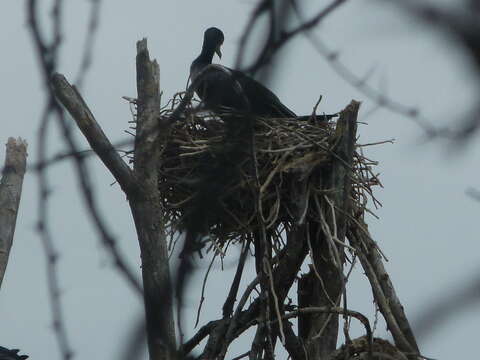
(261,97)
(223,87)
(218,88)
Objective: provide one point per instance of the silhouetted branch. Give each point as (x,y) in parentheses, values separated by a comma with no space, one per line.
(461,24)
(89,41)
(204,283)
(448,305)
(275,43)
(334,310)
(232,294)
(84,119)
(201,334)
(47,54)
(361,84)
(68,155)
(277,36)
(134,346)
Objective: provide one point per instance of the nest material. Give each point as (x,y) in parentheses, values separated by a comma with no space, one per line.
(238,178)
(360,349)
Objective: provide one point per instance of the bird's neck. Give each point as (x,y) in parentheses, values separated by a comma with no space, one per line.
(202,61)
(206,55)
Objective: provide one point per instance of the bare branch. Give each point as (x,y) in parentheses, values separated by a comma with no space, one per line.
(334,310)
(89,41)
(229,302)
(451,304)
(383,290)
(273,44)
(147,211)
(78,109)
(10,194)
(360,83)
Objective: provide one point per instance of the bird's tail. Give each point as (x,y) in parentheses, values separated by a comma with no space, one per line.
(319,118)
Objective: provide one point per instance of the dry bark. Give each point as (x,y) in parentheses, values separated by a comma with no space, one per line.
(140,187)
(324,284)
(147,211)
(10,193)
(323,237)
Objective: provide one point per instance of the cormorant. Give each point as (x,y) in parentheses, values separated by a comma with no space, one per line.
(224,87)
(6,354)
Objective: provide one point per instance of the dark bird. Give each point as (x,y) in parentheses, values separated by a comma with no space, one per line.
(6,354)
(221,87)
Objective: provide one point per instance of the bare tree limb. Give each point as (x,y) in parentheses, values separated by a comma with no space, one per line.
(10,194)
(334,310)
(89,41)
(360,83)
(78,109)
(147,211)
(84,119)
(383,290)
(320,331)
(274,44)
(47,52)
(461,24)
(232,294)
(462,299)
(136,185)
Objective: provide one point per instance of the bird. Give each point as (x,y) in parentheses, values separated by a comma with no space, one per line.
(6,354)
(220,87)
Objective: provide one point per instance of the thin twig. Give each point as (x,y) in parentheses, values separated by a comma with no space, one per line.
(202,297)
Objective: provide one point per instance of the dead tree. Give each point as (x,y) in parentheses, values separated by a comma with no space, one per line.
(140,187)
(294,191)
(304,200)
(10,193)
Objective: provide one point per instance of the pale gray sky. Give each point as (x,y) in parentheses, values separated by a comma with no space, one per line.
(427,225)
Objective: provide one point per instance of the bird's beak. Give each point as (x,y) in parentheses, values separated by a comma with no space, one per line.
(218,51)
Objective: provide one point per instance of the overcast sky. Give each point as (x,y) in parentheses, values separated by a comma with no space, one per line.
(428,227)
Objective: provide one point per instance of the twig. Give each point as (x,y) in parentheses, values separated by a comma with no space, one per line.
(275,300)
(47,55)
(273,45)
(377,96)
(201,334)
(381,298)
(245,354)
(202,297)
(336,310)
(231,297)
(89,42)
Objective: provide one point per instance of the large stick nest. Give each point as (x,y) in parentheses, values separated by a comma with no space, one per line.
(215,168)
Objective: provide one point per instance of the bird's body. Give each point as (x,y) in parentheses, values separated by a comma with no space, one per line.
(7,354)
(221,87)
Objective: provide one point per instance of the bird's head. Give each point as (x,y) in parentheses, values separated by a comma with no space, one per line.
(214,38)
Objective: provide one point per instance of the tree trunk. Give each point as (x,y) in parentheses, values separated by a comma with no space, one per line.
(324,284)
